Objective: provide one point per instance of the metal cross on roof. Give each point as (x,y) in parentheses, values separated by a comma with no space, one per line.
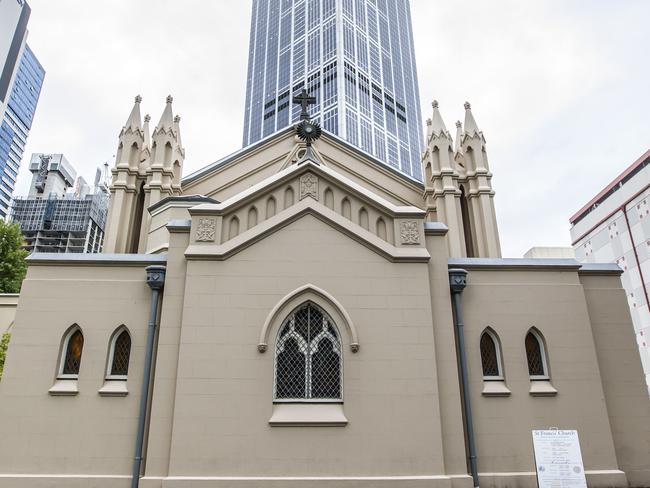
(304,100)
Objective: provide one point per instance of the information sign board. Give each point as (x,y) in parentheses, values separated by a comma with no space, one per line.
(558,459)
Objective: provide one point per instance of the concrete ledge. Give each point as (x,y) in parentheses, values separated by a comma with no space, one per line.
(424,481)
(435,229)
(515,264)
(308,415)
(180,225)
(64,481)
(601,269)
(49,259)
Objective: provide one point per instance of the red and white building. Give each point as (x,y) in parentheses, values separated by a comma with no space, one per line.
(615,226)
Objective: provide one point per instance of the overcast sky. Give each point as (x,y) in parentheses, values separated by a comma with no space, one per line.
(560,88)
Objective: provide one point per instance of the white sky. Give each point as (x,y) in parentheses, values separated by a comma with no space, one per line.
(560,88)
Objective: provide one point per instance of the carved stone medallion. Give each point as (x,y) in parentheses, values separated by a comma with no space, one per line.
(206,230)
(309,186)
(409,232)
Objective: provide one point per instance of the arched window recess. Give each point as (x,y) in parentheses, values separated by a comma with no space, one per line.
(492,364)
(538,366)
(69,363)
(117,364)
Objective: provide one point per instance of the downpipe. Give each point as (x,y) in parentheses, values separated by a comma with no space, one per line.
(156,281)
(457,283)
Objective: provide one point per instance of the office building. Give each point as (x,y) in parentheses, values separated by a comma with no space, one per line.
(17,122)
(14,16)
(355,57)
(615,227)
(53,218)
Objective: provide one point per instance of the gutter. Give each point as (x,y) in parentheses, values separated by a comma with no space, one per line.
(457,283)
(156,281)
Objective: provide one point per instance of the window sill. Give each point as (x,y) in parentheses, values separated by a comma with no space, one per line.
(308,415)
(542,388)
(495,388)
(64,387)
(114,388)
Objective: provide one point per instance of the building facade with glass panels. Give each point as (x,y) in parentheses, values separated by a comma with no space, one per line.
(355,56)
(17,122)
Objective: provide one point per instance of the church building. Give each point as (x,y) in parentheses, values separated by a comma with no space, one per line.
(299,314)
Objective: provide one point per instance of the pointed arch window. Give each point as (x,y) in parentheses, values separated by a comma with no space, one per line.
(71,354)
(491,356)
(119,355)
(308,357)
(536,356)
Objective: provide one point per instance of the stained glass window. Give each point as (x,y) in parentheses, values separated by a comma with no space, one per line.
(535,355)
(121,354)
(308,356)
(490,356)
(72,359)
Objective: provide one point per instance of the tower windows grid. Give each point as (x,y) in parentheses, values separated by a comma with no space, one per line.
(303,38)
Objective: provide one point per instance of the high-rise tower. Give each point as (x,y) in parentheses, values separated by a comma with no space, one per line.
(355,56)
(16,122)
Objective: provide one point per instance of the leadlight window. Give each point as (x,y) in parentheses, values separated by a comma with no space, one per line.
(536,356)
(72,349)
(490,356)
(120,355)
(308,356)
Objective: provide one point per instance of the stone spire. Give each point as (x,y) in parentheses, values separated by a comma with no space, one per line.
(134,122)
(437,124)
(459,137)
(167,118)
(177,130)
(147,132)
(471,128)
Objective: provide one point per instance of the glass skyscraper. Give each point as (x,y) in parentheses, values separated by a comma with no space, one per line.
(16,123)
(355,56)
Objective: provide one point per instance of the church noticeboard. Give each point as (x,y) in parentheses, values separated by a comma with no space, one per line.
(558,459)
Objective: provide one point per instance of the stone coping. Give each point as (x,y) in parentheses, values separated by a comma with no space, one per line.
(525,264)
(96,259)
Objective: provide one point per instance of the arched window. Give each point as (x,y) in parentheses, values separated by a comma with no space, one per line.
(70,363)
(536,355)
(119,355)
(308,356)
(491,356)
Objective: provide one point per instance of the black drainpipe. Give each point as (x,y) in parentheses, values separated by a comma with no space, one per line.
(457,283)
(156,281)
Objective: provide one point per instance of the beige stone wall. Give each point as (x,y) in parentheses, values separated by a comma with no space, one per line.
(511,302)
(224,393)
(626,398)
(8,304)
(86,434)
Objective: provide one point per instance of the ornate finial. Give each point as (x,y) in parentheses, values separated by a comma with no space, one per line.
(177,119)
(147,118)
(458,124)
(468,106)
(435,104)
(170,99)
(429,121)
(138,99)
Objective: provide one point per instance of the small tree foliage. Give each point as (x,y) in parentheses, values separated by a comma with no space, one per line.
(4,344)
(12,258)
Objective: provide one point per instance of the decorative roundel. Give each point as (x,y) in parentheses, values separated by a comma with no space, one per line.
(308,131)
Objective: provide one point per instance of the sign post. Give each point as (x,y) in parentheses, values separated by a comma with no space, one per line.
(558,459)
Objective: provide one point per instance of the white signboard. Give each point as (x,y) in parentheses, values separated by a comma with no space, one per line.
(558,459)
